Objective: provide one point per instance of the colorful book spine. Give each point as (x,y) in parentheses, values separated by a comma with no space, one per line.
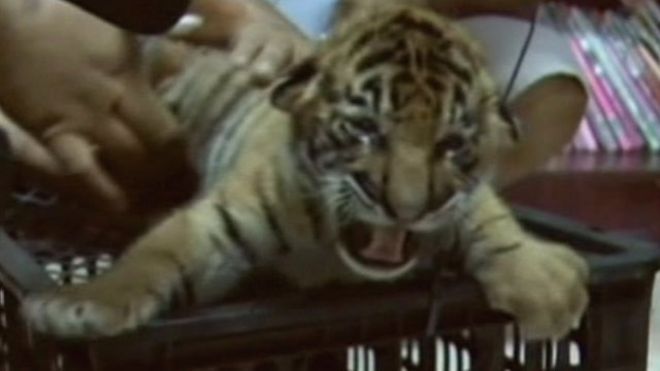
(643,73)
(603,131)
(653,73)
(642,120)
(594,66)
(622,48)
(619,55)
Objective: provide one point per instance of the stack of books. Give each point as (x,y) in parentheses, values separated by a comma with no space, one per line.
(620,56)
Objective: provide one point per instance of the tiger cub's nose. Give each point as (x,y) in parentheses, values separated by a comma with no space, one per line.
(406,207)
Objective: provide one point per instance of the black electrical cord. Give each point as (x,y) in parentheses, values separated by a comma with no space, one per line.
(521,57)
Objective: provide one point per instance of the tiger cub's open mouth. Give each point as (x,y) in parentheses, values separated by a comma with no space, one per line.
(378,252)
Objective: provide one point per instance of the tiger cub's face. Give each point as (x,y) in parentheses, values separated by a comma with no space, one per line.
(397,118)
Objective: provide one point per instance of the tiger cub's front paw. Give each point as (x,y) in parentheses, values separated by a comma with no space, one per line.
(542,284)
(91,310)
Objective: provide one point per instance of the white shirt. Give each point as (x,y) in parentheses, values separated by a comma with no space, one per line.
(312,16)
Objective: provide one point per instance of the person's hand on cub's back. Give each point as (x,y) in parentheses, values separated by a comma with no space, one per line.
(80,115)
(253,31)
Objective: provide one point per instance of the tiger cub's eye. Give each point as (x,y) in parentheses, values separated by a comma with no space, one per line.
(451,143)
(366,184)
(364,125)
(363,131)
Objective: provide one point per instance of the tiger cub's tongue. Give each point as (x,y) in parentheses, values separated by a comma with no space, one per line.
(386,245)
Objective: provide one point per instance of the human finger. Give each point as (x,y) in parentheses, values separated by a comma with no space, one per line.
(81,170)
(26,150)
(148,117)
(272,58)
(119,147)
(245,48)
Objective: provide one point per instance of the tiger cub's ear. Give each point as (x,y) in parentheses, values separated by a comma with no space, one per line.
(290,91)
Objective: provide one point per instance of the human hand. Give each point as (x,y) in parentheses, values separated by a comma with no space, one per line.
(80,115)
(255,33)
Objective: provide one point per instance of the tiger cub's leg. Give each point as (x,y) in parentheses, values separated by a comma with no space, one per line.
(179,256)
(541,283)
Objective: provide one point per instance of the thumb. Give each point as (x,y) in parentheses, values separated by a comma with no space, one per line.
(187,25)
(195,29)
(211,22)
(208,30)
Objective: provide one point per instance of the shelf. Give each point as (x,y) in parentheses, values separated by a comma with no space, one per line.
(604,163)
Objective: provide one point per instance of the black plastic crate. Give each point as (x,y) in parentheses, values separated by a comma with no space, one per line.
(370,327)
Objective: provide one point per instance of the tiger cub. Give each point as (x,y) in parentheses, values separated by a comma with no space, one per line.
(361,164)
